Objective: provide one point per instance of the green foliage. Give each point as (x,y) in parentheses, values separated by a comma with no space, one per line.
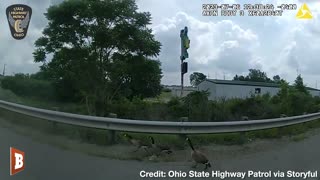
(257,75)
(24,85)
(295,100)
(267,134)
(134,109)
(140,77)
(298,84)
(254,75)
(166,90)
(239,78)
(8,95)
(197,105)
(99,53)
(255,107)
(41,75)
(220,110)
(276,79)
(139,109)
(177,108)
(196,78)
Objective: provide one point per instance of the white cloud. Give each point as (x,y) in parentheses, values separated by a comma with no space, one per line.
(222,45)
(277,45)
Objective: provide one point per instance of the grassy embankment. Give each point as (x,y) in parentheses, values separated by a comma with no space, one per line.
(33,127)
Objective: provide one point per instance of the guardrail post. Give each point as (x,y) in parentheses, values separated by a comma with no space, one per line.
(183,136)
(243,138)
(54,123)
(281,129)
(112,137)
(243,133)
(112,133)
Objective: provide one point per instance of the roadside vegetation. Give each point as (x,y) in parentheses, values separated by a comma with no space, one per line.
(196,106)
(290,101)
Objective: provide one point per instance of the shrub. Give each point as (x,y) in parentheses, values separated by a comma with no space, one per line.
(166,90)
(198,106)
(23,85)
(176,108)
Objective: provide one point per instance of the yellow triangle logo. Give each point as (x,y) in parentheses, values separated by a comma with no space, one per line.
(304,12)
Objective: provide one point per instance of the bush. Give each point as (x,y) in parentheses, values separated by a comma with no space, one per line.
(197,105)
(166,90)
(139,109)
(176,108)
(220,111)
(8,95)
(255,107)
(23,85)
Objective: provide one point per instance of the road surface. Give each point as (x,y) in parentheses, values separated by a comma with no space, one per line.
(47,162)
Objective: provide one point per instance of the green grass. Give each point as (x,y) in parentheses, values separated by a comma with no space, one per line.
(9,96)
(163,97)
(53,105)
(96,141)
(299,137)
(101,137)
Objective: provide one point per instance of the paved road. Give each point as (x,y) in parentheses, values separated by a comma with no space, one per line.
(45,162)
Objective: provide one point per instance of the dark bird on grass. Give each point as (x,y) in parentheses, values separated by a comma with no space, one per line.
(198,156)
(159,148)
(137,143)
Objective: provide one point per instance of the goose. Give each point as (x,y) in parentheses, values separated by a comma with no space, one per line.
(137,143)
(197,156)
(159,148)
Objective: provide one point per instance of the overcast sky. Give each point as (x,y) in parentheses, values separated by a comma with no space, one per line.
(220,46)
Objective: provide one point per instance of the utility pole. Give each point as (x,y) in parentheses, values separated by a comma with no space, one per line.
(185,43)
(4,70)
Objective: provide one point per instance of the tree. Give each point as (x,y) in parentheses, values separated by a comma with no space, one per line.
(197,105)
(140,77)
(254,75)
(257,75)
(239,78)
(295,100)
(196,78)
(283,95)
(298,84)
(93,44)
(284,89)
(277,79)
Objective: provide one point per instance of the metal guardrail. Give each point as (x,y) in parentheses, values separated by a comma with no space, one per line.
(156,126)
